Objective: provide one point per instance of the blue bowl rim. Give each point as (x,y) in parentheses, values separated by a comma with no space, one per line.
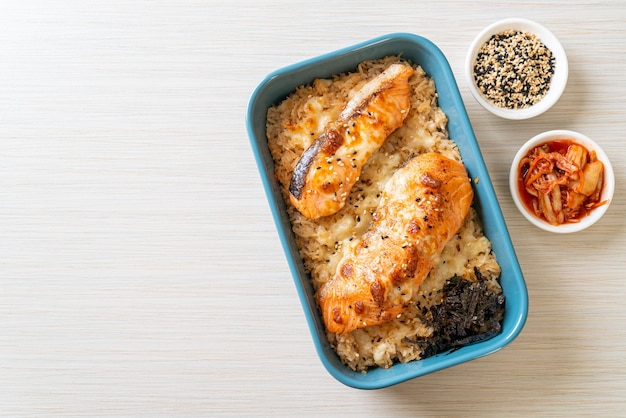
(404,371)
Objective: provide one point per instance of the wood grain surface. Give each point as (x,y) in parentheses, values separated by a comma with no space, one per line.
(140,270)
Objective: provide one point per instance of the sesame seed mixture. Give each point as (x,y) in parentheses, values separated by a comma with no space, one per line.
(513,69)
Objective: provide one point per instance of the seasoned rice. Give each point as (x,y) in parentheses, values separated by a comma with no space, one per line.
(293,125)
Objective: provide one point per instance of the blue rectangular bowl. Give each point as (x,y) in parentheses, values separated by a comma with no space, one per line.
(277,86)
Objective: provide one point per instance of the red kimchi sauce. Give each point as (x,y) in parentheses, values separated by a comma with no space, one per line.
(567,180)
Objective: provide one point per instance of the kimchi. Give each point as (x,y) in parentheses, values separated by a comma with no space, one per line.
(561,181)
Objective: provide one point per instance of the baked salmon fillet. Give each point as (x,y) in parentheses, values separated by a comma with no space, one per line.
(422,207)
(327,170)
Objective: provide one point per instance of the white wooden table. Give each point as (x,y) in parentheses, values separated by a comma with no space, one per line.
(140,271)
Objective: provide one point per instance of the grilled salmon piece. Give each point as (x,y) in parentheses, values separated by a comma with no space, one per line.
(421,208)
(327,170)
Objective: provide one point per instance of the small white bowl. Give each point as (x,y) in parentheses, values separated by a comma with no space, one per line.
(607,190)
(558,81)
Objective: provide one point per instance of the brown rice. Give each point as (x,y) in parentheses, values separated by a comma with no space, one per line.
(293,125)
